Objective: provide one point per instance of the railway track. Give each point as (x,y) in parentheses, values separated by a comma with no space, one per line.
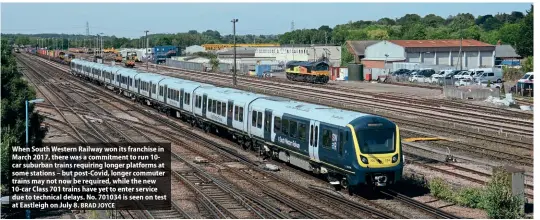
(479,111)
(417,204)
(228,151)
(99,134)
(456,126)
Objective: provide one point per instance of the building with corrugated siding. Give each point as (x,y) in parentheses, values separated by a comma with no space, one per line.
(506,55)
(358,47)
(302,52)
(474,54)
(194,49)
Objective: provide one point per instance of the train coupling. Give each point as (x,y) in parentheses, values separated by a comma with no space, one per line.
(380,180)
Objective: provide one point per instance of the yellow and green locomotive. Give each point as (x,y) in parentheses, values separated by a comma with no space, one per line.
(312,72)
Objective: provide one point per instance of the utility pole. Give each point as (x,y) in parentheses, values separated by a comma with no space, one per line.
(234,45)
(460,58)
(146,48)
(325,38)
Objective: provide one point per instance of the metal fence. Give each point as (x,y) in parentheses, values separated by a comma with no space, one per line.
(427,81)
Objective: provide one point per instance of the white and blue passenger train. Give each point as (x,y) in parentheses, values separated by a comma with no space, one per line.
(349,148)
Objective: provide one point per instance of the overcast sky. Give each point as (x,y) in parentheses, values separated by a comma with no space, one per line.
(131,19)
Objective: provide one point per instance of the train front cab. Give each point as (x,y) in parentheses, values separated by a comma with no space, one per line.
(378,155)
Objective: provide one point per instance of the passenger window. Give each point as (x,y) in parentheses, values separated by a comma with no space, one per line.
(491,74)
(285,126)
(218,108)
(292,130)
(214,106)
(200,101)
(277,124)
(301,131)
(327,138)
(236,113)
(210,105)
(253,118)
(229,111)
(241,114)
(223,109)
(341,143)
(259,119)
(160,89)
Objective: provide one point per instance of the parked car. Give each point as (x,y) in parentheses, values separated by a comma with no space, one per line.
(491,74)
(463,82)
(427,72)
(400,72)
(419,78)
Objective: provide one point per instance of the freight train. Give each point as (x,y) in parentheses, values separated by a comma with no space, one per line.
(55,55)
(350,149)
(312,72)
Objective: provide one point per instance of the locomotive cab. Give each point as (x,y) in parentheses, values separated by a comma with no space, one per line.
(378,156)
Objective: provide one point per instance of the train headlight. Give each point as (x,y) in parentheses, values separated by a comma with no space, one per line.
(395,158)
(364,159)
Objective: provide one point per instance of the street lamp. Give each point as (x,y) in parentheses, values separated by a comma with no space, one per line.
(234,45)
(29,102)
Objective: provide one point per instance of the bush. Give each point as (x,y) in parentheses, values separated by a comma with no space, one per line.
(496,198)
(471,197)
(440,189)
(528,64)
(511,74)
(499,201)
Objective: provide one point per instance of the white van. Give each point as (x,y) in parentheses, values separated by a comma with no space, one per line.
(493,75)
(527,78)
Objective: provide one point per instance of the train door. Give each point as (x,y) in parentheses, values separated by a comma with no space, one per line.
(314,127)
(165,93)
(268,124)
(182,99)
(204,105)
(138,86)
(230,106)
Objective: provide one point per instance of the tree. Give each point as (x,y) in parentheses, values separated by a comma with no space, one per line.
(386,21)
(524,41)
(415,32)
(409,19)
(378,34)
(325,28)
(528,64)
(432,20)
(509,33)
(14,93)
(491,24)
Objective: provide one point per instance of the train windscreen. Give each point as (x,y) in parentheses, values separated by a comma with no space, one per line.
(376,141)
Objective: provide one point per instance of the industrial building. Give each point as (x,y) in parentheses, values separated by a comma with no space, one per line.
(194,49)
(241,52)
(357,48)
(506,55)
(302,52)
(442,53)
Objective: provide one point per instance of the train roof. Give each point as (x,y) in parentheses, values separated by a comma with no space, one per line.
(307,110)
(229,93)
(305,63)
(145,76)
